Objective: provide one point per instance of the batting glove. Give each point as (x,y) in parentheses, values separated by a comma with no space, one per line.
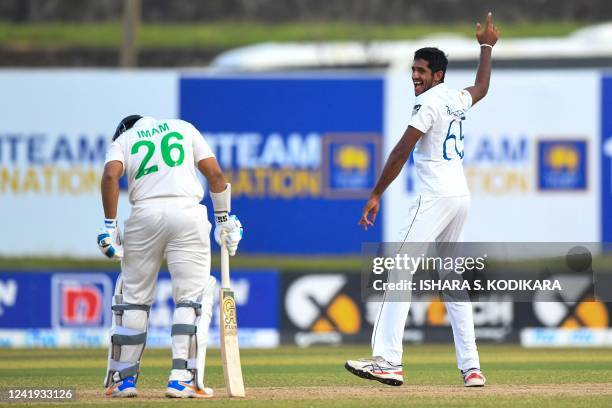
(232,227)
(109,240)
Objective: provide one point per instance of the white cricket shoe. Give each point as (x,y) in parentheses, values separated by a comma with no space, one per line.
(186,389)
(125,388)
(473,378)
(376,368)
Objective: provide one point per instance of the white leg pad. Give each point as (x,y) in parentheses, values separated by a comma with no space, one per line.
(128,338)
(191,321)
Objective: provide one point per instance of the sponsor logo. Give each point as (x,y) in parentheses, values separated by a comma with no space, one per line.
(329,309)
(8,294)
(350,164)
(80,300)
(415,110)
(352,158)
(491,312)
(270,165)
(498,164)
(229,312)
(295,165)
(562,165)
(567,314)
(319,304)
(57,164)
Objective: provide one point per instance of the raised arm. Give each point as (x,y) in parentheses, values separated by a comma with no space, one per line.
(487,38)
(392,169)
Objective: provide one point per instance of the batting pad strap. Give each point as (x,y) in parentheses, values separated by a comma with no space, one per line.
(222,202)
(179,364)
(129,339)
(178,329)
(197,307)
(129,306)
(130,371)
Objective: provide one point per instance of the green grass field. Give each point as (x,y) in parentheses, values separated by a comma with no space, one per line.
(315,377)
(227,34)
(283,263)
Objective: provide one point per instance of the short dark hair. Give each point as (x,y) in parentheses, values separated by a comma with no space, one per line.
(435,57)
(125,124)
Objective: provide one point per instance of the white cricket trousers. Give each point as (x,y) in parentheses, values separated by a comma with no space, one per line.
(173,228)
(431,219)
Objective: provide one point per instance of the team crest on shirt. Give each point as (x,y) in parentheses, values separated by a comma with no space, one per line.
(415,109)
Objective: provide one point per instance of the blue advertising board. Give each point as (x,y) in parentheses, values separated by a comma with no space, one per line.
(302,154)
(606,159)
(38,308)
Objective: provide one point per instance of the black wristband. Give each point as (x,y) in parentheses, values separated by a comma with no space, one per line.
(221,218)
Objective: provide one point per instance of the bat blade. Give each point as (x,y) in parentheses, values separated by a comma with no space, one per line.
(230,353)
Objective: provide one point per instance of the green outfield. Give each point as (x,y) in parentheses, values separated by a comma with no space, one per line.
(283,263)
(227,34)
(315,377)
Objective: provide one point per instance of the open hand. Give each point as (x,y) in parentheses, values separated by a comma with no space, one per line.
(489,35)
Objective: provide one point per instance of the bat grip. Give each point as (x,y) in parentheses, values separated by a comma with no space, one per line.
(225,279)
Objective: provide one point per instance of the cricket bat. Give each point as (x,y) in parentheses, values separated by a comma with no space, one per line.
(230,353)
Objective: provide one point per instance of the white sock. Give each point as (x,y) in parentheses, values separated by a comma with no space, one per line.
(180,375)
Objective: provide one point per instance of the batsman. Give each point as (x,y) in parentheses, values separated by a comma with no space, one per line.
(167,221)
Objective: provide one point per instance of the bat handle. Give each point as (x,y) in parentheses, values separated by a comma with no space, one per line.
(225,279)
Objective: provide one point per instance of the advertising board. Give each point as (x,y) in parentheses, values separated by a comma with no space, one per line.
(56,126)
(302,153)
(72,309)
